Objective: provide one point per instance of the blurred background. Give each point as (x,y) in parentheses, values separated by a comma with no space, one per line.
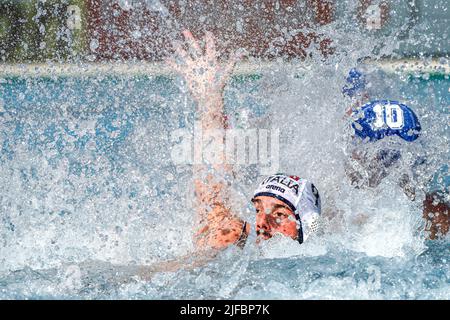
(99,30)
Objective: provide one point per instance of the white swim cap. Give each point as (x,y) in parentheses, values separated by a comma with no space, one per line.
(300,195)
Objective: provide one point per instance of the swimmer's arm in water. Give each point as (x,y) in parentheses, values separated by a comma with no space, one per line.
(206,79)
(188,262)
(128,273)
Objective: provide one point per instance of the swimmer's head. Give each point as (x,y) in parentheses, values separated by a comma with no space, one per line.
(283,206)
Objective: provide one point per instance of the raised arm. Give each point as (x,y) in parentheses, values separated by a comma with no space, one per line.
(217,227)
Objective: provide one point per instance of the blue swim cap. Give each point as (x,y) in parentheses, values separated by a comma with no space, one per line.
(380,118)
(356,81)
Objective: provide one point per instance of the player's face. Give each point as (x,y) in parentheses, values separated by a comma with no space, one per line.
(274,216)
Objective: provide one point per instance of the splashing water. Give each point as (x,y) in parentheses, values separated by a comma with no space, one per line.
(89,191)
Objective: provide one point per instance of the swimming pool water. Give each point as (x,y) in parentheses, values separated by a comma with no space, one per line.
(87,175)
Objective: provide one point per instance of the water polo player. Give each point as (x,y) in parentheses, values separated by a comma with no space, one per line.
(378,128)
(284,204)
(374,121)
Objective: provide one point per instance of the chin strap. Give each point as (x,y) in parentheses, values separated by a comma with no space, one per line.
(243,237)
(300,229)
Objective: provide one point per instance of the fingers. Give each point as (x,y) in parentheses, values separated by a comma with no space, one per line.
(181,52)
(210,49)
(194,46)
(228,69)
(178,66)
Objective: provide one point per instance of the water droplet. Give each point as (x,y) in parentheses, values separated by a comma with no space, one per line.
(94,45)
(125,4)
(136,34)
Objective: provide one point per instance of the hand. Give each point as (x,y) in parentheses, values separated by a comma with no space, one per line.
(205,77)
